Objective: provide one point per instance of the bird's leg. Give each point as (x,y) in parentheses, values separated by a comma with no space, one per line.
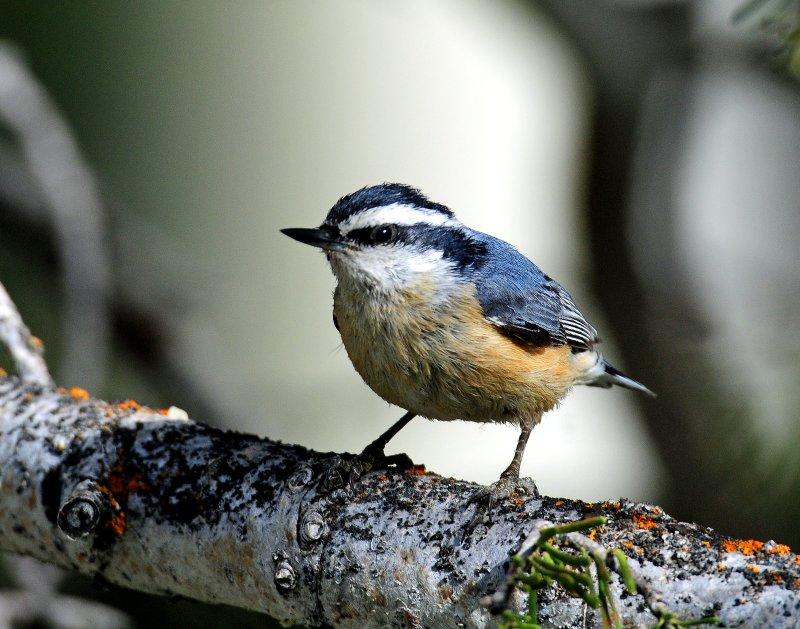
(512,471)
(510,483)
(345,471)
(376,448)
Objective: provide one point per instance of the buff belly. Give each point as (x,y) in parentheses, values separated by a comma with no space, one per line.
(443,360)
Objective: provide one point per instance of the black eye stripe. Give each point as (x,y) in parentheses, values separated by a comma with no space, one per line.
(360,236)
(456,245)
(366,235)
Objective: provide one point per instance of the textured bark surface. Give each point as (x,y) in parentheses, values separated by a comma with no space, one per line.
(174,507)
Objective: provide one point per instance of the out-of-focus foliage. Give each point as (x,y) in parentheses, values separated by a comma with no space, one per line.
(779,19)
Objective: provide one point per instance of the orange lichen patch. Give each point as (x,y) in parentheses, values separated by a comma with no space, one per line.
(776,578)
(612,504)
(779,549)
(796,582)
(559,503)
(163,411)
(76,393)
(643,522)
(744,546)
(721,567)
(516,499)
(592,535)
(129,405)
(36,342)
(627,543)
(118,523)
(705,543)
(753,568)
(3,373)
(416,470)
(119,485)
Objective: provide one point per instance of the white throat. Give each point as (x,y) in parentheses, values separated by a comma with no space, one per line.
(392,270)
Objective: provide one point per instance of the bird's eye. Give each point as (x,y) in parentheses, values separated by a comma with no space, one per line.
(383,234)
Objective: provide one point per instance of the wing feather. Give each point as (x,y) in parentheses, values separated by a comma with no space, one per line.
(524,303)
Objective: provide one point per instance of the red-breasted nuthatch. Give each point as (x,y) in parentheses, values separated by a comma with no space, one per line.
(448,322)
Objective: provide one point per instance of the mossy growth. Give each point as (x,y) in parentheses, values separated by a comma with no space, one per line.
(583,571)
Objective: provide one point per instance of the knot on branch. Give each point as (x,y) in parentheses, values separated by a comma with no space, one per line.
(83,510)
(312,528)
(285,577)
(301,477)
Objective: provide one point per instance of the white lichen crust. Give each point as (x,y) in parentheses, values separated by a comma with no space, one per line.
(174,507)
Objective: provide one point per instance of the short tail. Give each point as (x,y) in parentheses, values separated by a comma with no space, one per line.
(611,376)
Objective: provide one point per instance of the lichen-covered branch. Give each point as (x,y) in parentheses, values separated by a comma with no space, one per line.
(150,500)
(26,349)
(171,506)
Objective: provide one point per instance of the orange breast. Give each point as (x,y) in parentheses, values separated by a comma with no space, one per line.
(444,360)
(537,377)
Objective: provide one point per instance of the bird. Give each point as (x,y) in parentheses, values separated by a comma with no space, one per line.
(450,323)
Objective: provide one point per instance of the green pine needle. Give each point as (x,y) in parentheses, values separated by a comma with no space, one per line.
(546,564)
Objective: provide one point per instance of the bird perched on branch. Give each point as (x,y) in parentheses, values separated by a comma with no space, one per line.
(451,323)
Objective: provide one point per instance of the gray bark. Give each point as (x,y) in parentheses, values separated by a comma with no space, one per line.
(171,506)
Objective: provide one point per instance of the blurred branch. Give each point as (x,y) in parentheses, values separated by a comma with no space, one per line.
(166,505)
(16,188)
(69,191)
(38,603)
(26,349)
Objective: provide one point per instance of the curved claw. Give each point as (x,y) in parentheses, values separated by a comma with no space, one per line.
(487,497)
(344,472)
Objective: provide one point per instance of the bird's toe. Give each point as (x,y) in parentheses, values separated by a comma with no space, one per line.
(344,471)
(488,498)
(508,487)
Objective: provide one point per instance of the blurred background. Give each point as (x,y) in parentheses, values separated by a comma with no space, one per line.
(645,153)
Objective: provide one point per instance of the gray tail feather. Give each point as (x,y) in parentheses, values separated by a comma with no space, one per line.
(612,376)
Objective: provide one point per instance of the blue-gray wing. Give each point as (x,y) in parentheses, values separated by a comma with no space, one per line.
(524,303)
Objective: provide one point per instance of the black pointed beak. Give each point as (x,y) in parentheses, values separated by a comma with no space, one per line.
(316,237)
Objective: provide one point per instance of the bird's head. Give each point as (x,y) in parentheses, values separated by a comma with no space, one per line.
(390,236)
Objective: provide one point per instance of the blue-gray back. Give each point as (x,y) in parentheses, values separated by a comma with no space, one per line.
(524,302)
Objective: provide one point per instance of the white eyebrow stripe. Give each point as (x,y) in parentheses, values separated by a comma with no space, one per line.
(395,214)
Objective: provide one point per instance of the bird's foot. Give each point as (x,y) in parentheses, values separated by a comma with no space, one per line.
(507,488)
(503,489)
(344,471)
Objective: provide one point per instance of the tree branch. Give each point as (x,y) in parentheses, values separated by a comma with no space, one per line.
(69,191)
(26,350)
(174,507)
(155,502)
